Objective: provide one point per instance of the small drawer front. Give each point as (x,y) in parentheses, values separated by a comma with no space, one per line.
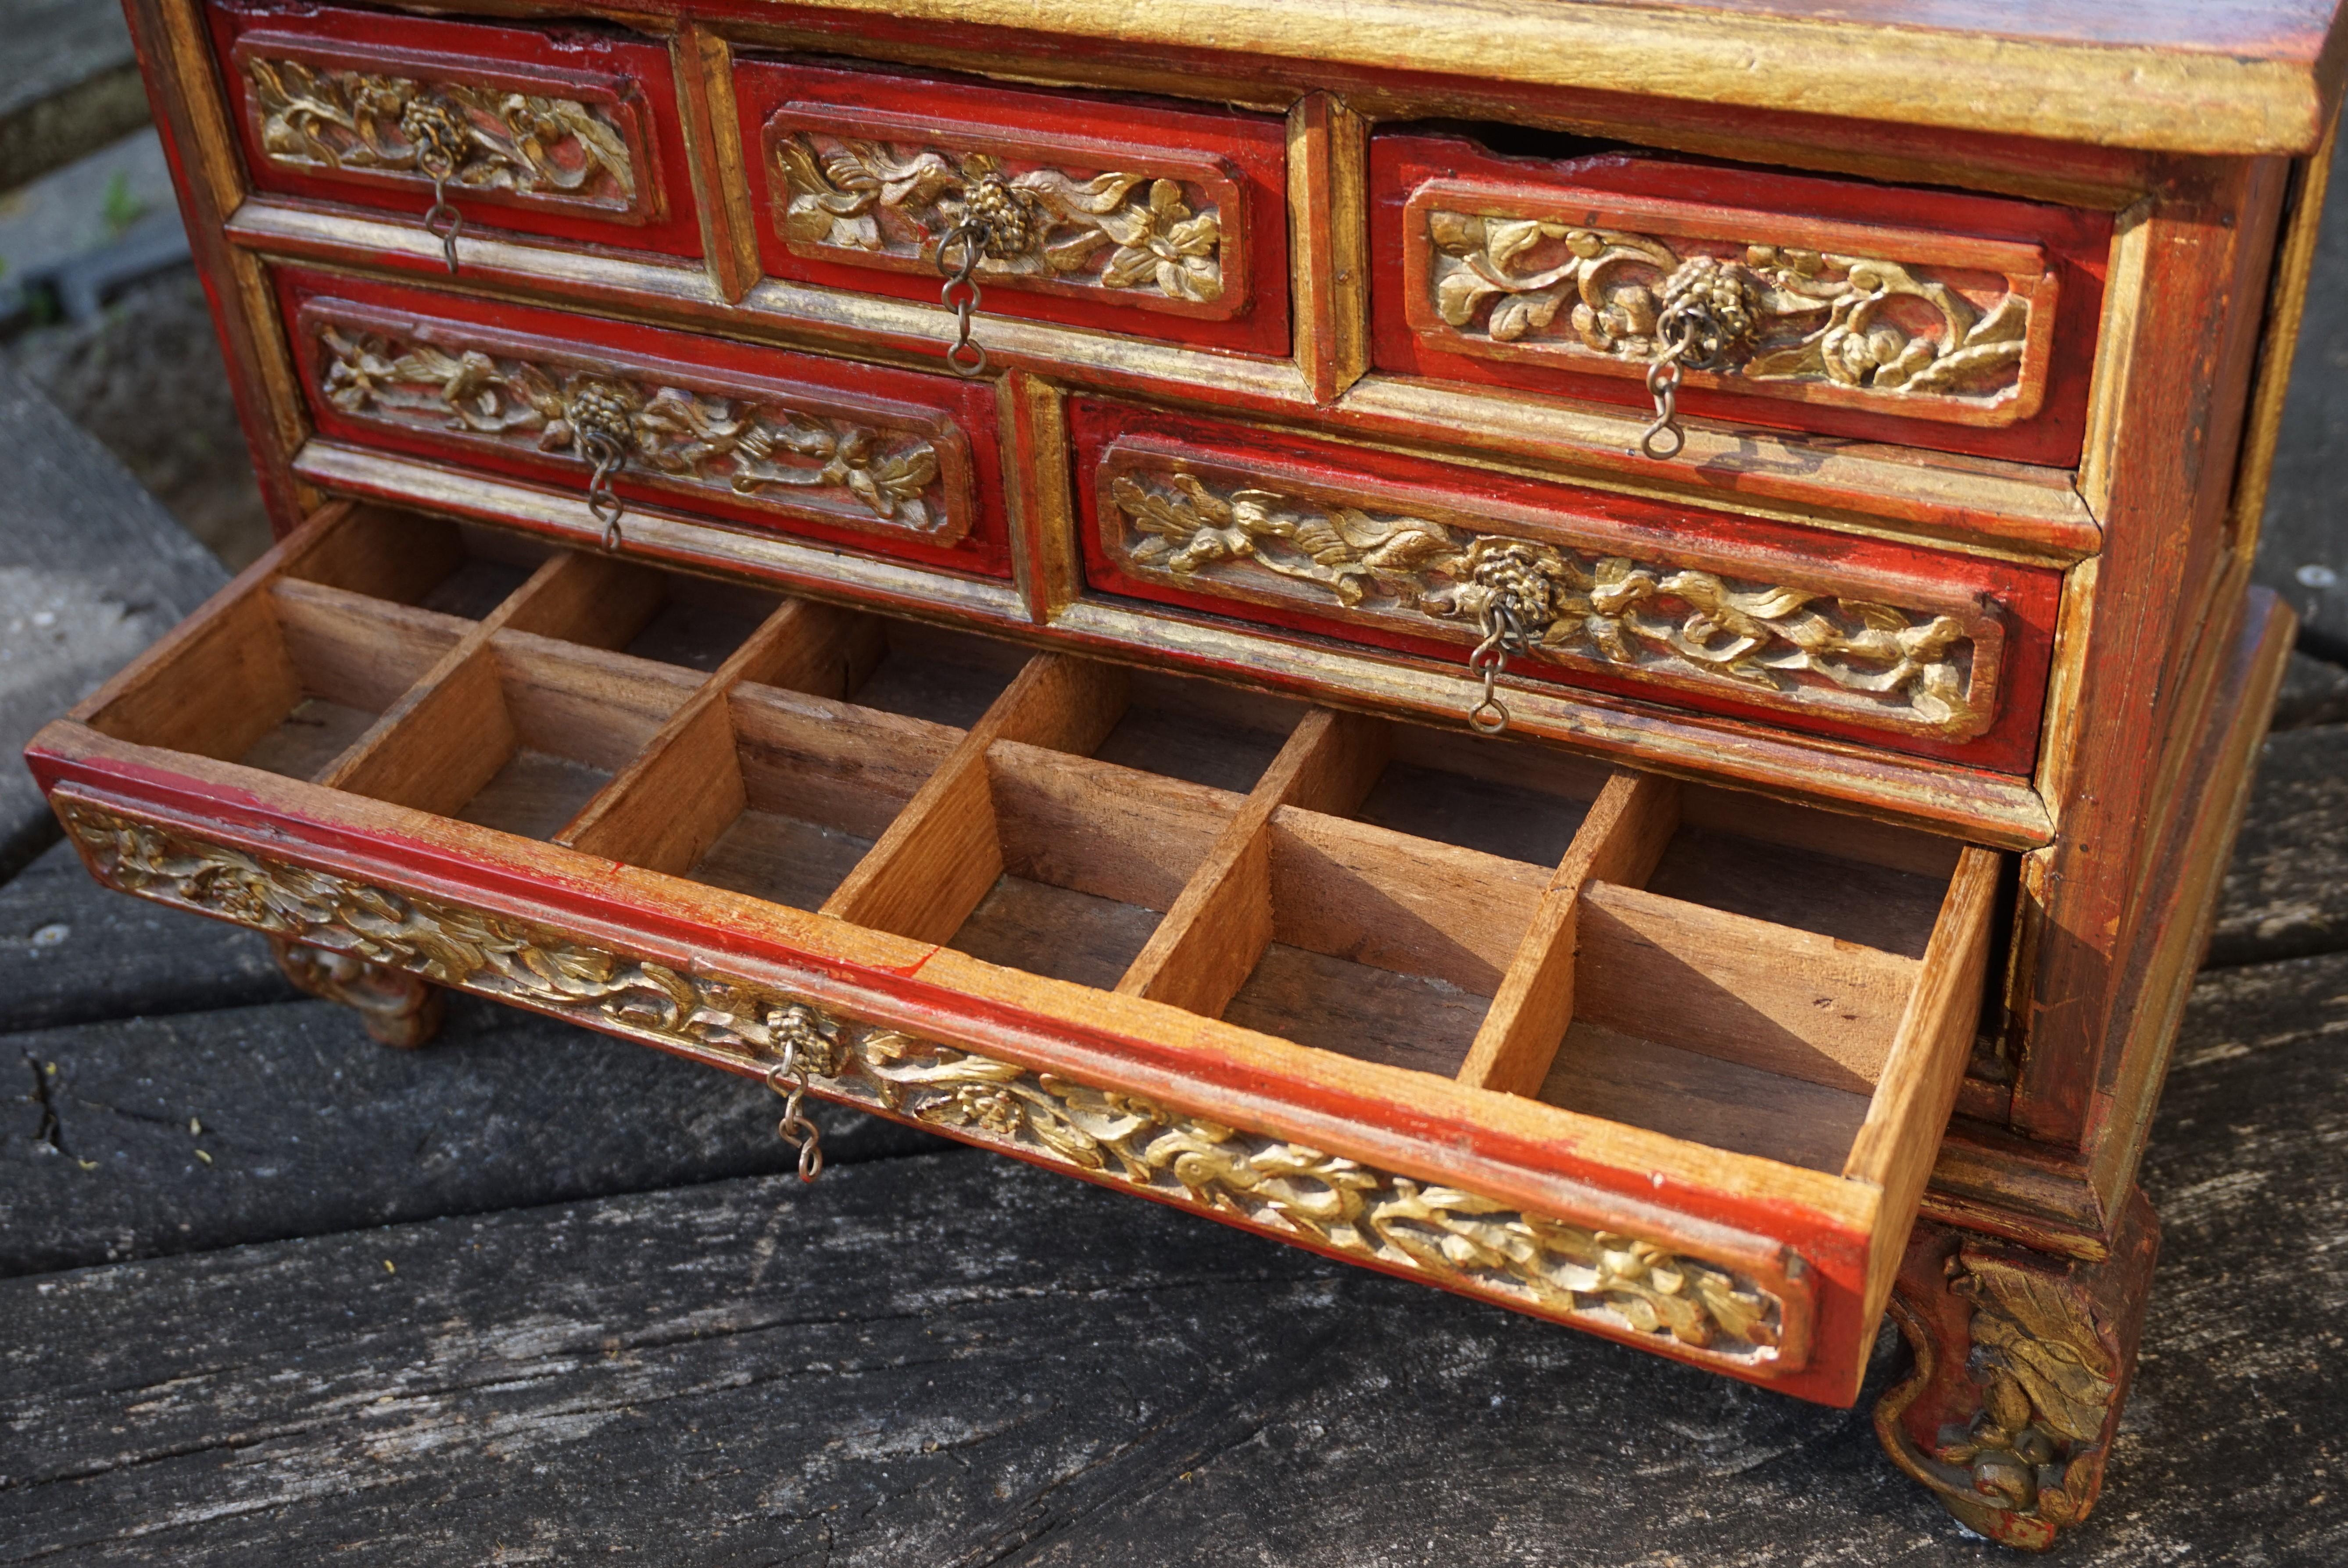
(1937,655)
(566,133)
(1637,1056)
(1164,224)
(890,462)
(1959,322)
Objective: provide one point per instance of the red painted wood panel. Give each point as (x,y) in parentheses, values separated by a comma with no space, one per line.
(623,908)
(1376,593)
(882,461)
(2058,257)
(564,93)
(906,139)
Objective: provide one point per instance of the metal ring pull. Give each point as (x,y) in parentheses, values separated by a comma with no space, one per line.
(788,1078)
(601,499)
(967,356)
(1663,386)
(1502,636)
(441,169)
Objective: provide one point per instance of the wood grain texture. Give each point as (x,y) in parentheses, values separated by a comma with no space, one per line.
(1270,1372)
(1619,842)
(937,859)
(2171,77)
(1918,1087)
(1328,196)
(1803,1005)
(2286,889)
(1217,928)
(2163,500)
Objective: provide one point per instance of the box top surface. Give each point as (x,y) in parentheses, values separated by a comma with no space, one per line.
(2214,76)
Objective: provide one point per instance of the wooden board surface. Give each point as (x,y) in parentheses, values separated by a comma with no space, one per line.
(2245,76)
(949,1358)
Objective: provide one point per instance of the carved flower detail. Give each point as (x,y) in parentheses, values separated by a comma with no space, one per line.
(2047,1381)
(1445,1234)
(1576,605)
(1117,228)
(489,137)
(1773,314)
(984,1105)
(1166,242)
(748,447)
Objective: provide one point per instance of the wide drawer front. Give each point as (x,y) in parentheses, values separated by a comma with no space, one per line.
(1652,1060)
(570,134)
(889,462)
(1926,318)
(1094,211)
(1934,654)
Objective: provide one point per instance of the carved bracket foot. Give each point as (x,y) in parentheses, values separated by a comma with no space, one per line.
(2022,1363)
(398,1008)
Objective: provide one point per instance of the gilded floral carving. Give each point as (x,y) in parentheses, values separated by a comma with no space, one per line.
(1440,1233)
(2021,1377)
(2048,1380)
(1800,316)
(1118,229)
(1865,660)
(744,445)
(321,118)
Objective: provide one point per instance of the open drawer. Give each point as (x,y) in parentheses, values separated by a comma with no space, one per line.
(1648,1058)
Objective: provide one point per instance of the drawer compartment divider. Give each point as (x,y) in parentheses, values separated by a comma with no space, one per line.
(1622,839)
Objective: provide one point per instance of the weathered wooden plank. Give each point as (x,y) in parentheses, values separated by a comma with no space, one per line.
(2314,691)
(959,1359)
(91,570)
(200,1129)
(2286,894)
(72,951)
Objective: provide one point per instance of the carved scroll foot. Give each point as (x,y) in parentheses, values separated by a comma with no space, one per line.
(2022,1363)
(398,1008)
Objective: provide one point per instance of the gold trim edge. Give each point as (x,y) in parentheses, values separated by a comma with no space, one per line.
(1625,1285)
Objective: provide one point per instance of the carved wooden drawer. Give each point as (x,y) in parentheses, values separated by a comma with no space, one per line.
(1098,210)
(567,132)
(892,462)
(1928,318)
(1904,649)
(1653,1060)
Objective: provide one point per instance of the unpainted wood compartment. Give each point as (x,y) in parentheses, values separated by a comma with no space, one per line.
(1719,988)
(1093,856)
(523,735)
(1749,975)
(454,568)
(1382,946)
(287,680)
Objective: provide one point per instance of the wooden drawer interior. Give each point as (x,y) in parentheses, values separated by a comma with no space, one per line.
(1782,995)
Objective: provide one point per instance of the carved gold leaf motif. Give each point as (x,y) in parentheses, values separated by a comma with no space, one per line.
(1804,315)
(739,445)
(1440,1233)
(2048,1376)
(1870,661)
(321,118)
(1111,230)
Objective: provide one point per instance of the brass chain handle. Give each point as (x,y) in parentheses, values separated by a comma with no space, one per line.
(1514,604)
(1708,318)
(438,138)
(1663,386)
(998,221)
(1503,635)
(602,429)
(798,1035)
(967,356)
